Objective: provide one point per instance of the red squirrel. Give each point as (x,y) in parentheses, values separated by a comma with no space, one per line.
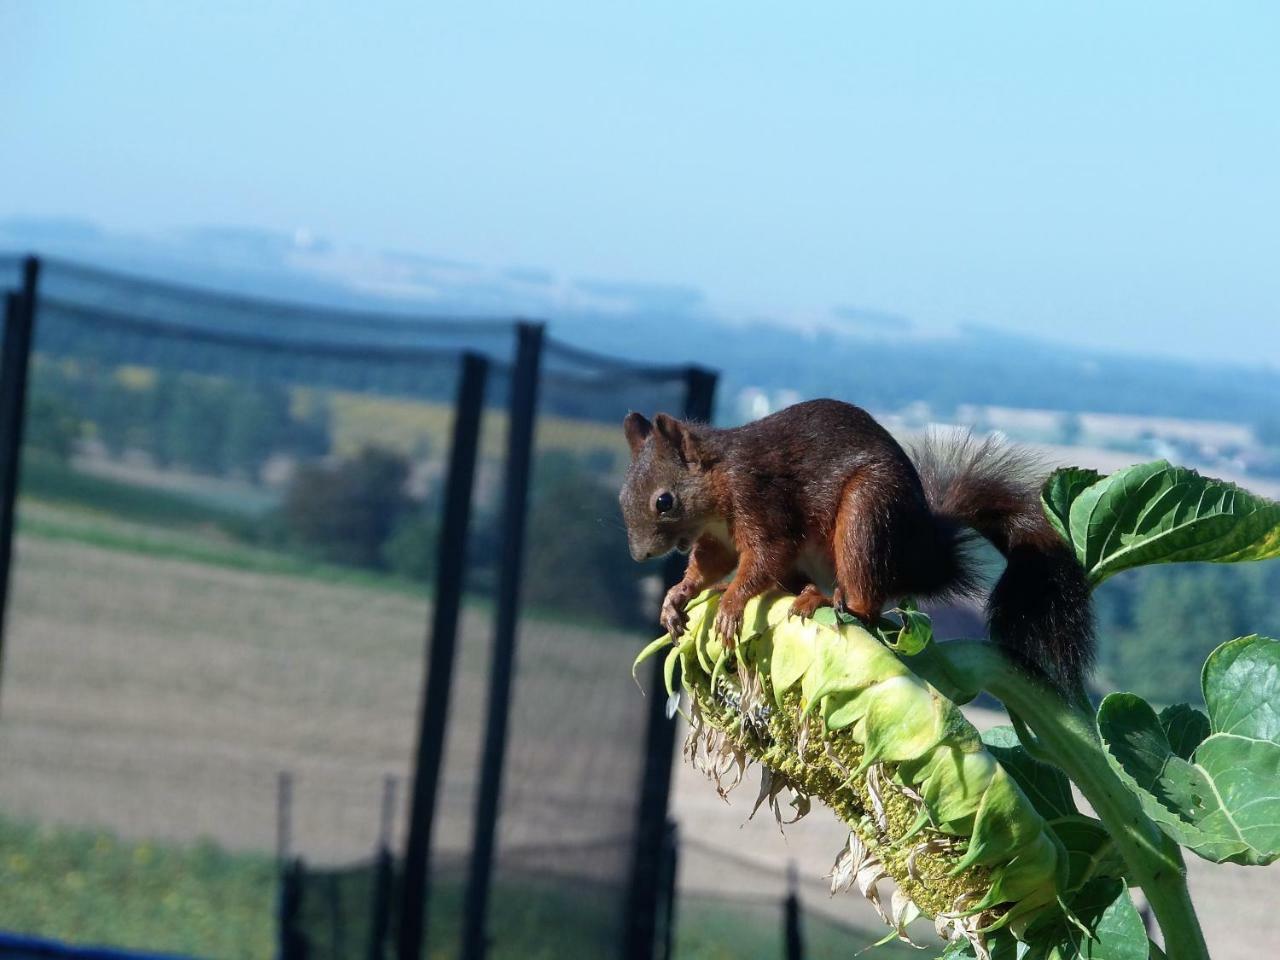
(821,493)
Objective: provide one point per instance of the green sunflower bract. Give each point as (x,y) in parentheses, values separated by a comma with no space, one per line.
(829,712)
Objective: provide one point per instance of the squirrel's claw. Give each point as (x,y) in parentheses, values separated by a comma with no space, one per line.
(808,602)
(728,625)
(673,616)
(675,626)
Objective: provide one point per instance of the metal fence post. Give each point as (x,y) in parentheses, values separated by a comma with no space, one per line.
(669,899)
(380,907)
(15,362)
(660,742)
(292,943)
(384,869)
(521,420)
(791,921)
(433,711)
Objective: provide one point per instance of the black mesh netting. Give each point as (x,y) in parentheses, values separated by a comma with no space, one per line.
(575,754)
(731,900)
(227,525)
(338,913)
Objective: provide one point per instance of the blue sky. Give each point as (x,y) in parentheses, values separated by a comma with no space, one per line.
(1101,173)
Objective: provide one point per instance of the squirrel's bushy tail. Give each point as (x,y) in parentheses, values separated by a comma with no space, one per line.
(1039,611)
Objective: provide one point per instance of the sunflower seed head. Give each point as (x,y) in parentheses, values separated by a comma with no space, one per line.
(909,785)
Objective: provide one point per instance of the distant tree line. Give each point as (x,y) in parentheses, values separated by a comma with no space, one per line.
(204,424)
(1157,625)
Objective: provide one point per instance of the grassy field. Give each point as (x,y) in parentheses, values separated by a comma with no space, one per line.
(54,482)
(91,887)
(50,520)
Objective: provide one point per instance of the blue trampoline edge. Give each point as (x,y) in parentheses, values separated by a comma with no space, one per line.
(16,946)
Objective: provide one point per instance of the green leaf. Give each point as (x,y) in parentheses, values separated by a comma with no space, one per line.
(1241,682)
(1218,795)
(1091,850)
(999,829)
(1185,727)
(1158,513)
(648,652)
(1001,945)
(826,616)
(669,671)
(1113,928)
(915,632)
(1061,491)
(1172,791)
(1046,786)
(794,649)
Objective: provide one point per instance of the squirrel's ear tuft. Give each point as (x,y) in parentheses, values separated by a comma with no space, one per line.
(681,438)
(637,428)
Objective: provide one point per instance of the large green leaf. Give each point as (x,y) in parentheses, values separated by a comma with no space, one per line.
(1218,795)
(1158,513)
(1112,928)
(1241,682)
(1173,791)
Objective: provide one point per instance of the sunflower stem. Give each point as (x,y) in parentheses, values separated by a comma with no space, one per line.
(1068,734)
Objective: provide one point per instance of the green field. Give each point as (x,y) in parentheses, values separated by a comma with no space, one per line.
(62,503)
(91,887)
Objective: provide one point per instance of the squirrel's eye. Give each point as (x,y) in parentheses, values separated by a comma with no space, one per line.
(664,502)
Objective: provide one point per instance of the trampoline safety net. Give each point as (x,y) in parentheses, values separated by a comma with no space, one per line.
(227,523)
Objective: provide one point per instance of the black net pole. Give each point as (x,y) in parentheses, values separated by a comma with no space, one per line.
(670,873)
(15,361)
(791,922)
(292,942)
(442,646)
(660,740)
(523,407)
(383,875)
(380,907)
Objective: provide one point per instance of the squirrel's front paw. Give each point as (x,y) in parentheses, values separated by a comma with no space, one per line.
(673,617)
(729,624)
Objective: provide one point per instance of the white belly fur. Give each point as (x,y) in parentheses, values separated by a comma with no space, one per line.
(813,563)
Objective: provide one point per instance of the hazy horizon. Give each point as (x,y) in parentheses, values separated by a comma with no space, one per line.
(1095,176)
